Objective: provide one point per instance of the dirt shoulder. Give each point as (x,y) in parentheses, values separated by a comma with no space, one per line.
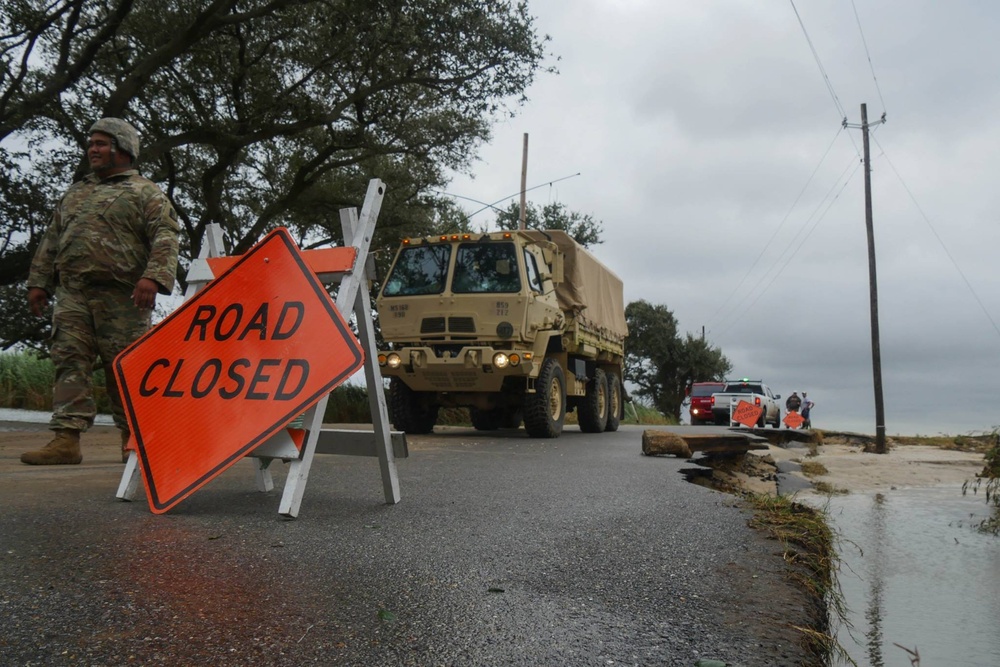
(843,463)
(804,464)
(850,468)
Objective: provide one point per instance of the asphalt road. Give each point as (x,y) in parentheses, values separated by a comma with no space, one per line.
(504,550)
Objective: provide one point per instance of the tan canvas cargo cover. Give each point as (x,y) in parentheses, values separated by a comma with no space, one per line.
(589,289)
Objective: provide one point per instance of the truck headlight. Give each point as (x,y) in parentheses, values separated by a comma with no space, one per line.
(393,360)
(501,360)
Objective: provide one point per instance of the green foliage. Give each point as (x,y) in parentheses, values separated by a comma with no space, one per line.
(26,381)
(662,364)
(583,228)
(348,404)
(989,481)
(254,113)
(638,413)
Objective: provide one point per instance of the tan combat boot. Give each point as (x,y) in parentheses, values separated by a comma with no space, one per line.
(125,437)
(63,449)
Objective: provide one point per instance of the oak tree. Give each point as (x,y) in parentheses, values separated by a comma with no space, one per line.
(253,113)
(584,229)
(660,363)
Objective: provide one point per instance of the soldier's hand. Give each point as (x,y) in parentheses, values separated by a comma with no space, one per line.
(38,301)
(144,294)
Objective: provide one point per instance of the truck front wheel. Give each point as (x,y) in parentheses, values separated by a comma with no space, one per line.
(594,408)
(545,410)
(410,414)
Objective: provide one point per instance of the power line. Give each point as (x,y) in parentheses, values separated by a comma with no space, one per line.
(831,199)
(857,165)
(869,56)
(819,63)
(781,225)
(493,205)
(940,241)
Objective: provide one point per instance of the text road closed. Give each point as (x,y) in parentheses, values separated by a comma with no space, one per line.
(229,368)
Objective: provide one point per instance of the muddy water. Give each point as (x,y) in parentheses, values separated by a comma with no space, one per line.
(917,576)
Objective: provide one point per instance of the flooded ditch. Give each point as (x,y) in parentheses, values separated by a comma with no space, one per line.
(919,582)
(917,577)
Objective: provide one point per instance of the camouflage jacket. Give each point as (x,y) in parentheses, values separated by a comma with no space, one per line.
(115,230)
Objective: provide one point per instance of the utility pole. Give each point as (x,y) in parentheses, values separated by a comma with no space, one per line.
(873,290)
(524,182)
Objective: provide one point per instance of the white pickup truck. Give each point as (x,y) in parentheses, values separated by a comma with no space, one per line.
(754,392)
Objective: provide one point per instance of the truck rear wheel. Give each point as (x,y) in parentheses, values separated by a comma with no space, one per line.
(485,420)
(511,418)
(409,413)
(545,410)
(614,402)
(593,411)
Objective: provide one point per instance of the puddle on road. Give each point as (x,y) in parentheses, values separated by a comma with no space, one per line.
(917,576)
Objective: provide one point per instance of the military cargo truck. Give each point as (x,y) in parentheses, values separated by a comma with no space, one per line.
(518,327)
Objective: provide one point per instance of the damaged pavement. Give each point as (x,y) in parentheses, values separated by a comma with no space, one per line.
(757,460)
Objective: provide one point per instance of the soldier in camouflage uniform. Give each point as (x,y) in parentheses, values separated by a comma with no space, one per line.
(110,248)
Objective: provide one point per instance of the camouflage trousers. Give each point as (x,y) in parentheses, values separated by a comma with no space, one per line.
(88,324)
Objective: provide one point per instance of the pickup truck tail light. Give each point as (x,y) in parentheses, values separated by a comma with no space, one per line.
(756,401)
(713,400)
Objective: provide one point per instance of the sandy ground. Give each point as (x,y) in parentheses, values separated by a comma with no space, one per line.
(849,468)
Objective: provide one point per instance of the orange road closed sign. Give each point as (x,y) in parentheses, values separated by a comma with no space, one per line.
(793,420)
(233,365)
(747,413)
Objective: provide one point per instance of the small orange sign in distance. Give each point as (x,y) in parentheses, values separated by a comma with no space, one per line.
(794,420)
(747,414)
(233,365)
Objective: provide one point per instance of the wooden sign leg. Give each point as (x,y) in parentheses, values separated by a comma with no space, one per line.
(298,470)
(373,376)
(376,402)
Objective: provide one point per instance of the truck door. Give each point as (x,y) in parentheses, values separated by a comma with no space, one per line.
(537,310)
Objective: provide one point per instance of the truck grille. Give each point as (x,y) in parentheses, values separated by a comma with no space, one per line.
(432,325)
(436,325)
(461,325)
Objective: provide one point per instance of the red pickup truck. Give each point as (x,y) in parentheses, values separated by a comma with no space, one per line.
(700,396)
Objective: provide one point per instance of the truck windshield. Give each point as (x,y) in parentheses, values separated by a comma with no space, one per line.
(486,267)
(419,270)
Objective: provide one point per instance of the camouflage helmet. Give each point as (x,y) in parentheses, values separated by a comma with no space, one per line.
(125,136)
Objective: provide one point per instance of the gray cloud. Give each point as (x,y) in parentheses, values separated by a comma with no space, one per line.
(696,128)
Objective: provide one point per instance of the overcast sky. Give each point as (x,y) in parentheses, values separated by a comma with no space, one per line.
(709,144)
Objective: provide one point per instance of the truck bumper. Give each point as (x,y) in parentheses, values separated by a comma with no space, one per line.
(472,369)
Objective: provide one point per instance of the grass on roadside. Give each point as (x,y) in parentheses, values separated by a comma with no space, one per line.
(637,413)
(808,547)
(26,381)
(989,481)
